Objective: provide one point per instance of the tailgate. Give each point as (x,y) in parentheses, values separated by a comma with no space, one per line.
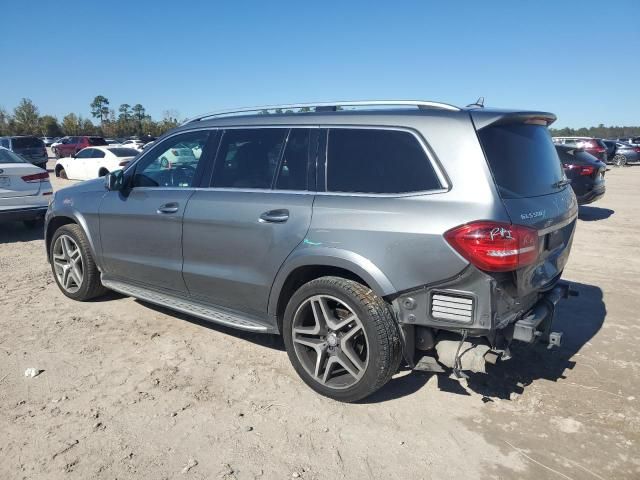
(534,190)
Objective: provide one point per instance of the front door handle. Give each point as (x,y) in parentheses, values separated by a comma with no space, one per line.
(171,207)
(275,216)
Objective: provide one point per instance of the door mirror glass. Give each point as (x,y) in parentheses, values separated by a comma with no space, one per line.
(114,181)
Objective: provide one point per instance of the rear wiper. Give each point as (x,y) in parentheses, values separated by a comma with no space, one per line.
(561,183)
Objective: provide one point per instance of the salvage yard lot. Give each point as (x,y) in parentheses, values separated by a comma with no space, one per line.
(130,390)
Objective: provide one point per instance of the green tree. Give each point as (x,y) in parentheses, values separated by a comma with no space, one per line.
(70,124)
(26,118)
(100,108)
(86,126)
(4,122)
(49,126)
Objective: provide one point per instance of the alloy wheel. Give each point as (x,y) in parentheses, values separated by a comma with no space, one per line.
(330,341)
(67,263)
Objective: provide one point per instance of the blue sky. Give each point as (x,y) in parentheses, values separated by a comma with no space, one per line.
(578,59)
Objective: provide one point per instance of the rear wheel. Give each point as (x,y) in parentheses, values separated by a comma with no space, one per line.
(341,338)
(62,174)
(619,160)
(73,266)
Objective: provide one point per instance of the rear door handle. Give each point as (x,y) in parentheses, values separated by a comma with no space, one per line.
(171,207)
(275,216)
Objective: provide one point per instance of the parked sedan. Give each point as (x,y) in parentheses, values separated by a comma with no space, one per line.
(625,153)
(24,189)
(48,141)
(94,162)
(585,172)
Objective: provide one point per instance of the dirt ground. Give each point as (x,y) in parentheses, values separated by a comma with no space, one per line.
(129,390)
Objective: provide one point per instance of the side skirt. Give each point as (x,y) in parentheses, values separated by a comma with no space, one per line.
(211,313)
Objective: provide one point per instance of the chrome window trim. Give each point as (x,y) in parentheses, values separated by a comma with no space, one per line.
(435,164)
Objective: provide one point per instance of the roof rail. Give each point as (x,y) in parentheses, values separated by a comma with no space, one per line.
(327,106)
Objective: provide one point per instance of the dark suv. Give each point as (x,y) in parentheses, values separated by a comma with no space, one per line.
(413,230)
(30,148)
(72,145)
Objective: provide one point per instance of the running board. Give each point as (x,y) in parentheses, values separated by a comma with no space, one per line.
(183,305)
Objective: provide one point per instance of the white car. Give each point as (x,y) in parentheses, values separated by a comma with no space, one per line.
(94,162)
(25,189)
(137,144)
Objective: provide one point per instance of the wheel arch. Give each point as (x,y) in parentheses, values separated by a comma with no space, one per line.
(303,266)
(54,223)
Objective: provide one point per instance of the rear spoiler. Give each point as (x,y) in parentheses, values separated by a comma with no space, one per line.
(484,118)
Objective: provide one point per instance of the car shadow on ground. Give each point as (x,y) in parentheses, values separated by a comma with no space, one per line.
(579,318)
(264,340)
(590,214)
(13,232)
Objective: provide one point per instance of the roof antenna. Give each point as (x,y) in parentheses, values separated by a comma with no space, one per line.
(478,103)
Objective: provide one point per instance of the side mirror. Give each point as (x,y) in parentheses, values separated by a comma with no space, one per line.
(114,181)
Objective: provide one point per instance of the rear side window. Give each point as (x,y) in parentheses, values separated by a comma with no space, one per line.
(27,142)
(522,158)
(377,161)
(97,141)
(248,158)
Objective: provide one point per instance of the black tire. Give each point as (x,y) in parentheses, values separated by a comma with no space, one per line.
(103,172)
(62,174)
(620,160)
(55,152)
(91,286)
(382,335)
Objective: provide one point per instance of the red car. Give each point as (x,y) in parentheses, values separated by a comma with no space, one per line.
(72,145)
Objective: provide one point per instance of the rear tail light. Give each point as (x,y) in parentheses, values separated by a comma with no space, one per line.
(587,171)
(36,177)
(495,246)
(637,149)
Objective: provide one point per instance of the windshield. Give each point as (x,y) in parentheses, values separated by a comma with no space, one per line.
(522,158)
(7,156)
(27,142)
(124,152)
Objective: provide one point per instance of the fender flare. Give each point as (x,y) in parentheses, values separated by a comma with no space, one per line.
(78,220)
(305,256)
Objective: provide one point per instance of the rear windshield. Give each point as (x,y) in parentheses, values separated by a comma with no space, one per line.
(570,155)
(124,152)
(522,158)
(27,142)
(96,141)
(7,156)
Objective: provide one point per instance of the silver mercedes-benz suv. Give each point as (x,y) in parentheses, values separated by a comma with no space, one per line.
(364,233)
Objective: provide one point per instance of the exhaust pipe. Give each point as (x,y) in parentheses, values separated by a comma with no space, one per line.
(472,357)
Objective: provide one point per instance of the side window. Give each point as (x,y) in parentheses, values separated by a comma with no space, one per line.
(292,173)
(377,161)
(97,153)
(5,142)
(172,163)
(86,153)
(248,158)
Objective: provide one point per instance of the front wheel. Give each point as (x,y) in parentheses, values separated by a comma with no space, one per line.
(73,266)
(341,338)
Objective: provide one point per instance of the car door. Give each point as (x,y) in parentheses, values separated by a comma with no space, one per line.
(141,226)
(239,231)
(92,165)
(76,167)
